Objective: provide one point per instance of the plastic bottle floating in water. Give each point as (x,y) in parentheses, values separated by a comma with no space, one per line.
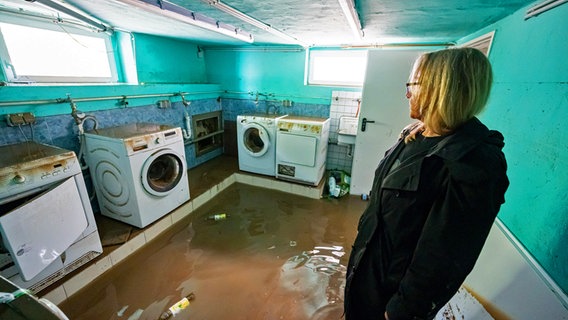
(218,217)
(177,307)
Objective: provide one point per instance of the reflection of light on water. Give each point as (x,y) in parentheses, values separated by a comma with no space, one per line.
(319,274)
(321,259)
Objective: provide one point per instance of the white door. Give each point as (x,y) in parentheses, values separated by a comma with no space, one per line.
(384,104)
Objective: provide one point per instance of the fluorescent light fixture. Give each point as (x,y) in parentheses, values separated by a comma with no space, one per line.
(542,7)
(248,19)
(348,7)
(75,13)
(184,15)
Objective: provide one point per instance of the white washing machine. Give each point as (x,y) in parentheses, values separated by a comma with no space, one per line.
(139,171)
(256,139)
(47,226)
(301,151)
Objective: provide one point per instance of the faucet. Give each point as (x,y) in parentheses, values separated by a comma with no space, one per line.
(272,106)
(76,114)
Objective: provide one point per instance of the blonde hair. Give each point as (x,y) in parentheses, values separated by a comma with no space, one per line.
(453,87)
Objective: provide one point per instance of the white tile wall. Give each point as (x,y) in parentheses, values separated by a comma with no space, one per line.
(343,103)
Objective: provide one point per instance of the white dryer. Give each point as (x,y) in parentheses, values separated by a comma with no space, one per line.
(256,139)
(139,171)
(302,148)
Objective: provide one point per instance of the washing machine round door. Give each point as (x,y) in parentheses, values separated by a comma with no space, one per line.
(162,172)
(255,139)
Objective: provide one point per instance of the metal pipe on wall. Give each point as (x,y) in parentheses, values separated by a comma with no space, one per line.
(123,97)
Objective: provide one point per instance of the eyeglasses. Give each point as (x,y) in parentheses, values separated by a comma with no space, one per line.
(410,84)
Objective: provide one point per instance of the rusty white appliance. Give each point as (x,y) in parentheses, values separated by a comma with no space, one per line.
(139,171)
(301,148)
(46,220)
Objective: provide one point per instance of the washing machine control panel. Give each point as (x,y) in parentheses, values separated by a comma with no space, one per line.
(152,140)
(37,174)
(300,127)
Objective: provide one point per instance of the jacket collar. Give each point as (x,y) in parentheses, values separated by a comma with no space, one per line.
(466,138)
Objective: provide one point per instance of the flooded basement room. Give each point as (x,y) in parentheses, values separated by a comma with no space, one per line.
(274,256)
(205,160)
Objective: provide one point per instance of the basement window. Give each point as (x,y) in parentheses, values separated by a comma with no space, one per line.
(37,52)
(482,43)
(343,68)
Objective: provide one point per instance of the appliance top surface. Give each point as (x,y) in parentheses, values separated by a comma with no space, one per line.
(260,115)
(301,119)
(130,130)
(31,153)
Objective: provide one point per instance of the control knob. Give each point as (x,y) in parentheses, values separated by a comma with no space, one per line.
(19,179)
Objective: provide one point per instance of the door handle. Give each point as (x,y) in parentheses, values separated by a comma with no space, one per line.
(364,123)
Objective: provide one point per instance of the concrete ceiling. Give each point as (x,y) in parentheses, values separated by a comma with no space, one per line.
(313,22)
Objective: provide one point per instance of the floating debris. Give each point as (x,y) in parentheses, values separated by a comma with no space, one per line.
(120,312)
(218,217)
(177,307)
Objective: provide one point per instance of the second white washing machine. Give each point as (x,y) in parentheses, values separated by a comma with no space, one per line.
(139,171)
(256,140)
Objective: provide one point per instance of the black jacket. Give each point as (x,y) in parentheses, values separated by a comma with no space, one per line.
(425,225)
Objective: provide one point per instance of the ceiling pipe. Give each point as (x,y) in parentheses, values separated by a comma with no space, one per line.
(250,20)
(350,12)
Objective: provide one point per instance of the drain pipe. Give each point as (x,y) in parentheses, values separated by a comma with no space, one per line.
(80,119)
(187,121)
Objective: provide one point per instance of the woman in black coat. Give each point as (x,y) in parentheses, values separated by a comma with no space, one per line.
(434,197)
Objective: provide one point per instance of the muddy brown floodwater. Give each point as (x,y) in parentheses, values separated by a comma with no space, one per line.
(277,256)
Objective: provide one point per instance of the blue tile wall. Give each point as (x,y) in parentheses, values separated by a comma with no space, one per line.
(234,107)
(61,131)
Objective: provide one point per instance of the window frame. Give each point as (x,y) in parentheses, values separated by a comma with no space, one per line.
(313,54)
(482,43)
(41,23)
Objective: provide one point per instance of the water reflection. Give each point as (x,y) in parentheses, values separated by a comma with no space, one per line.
(320,278)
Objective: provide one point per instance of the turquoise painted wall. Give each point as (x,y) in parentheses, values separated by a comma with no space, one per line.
(529,105)
(168,60)
(276,73)
(167,66)
(164,65)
